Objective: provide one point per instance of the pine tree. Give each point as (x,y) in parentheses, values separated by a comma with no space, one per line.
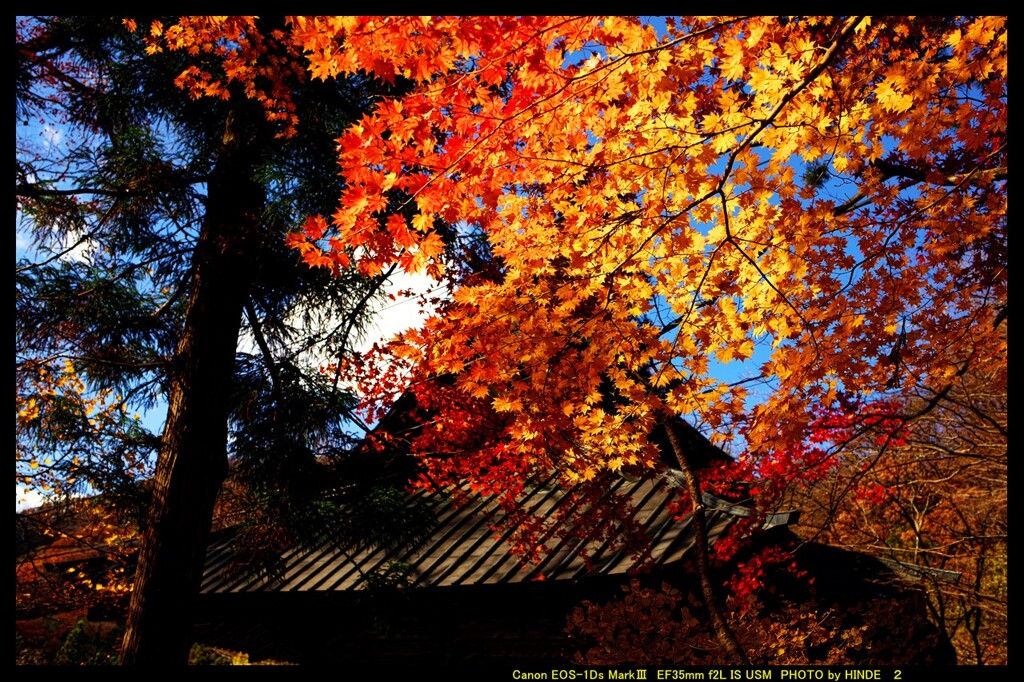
(159,231)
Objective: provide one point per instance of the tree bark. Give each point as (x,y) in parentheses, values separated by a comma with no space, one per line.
(193,455)
(682,443)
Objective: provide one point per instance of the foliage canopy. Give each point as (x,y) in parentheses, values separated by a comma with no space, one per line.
(753,224)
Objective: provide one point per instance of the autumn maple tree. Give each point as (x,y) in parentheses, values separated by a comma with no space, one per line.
(817,201)
(647,196)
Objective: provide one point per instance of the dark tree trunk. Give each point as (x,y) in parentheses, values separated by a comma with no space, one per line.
(193,456)
(687,444)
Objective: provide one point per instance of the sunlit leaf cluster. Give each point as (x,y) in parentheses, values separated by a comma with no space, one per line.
(644,192)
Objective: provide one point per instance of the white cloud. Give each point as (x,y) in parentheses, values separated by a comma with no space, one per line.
(27,499)
(402,313)
(390,317)
(52,136)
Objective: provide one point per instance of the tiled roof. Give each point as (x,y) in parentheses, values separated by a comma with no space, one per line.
(463,547)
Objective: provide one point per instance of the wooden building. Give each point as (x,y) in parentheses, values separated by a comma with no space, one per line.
(460,596)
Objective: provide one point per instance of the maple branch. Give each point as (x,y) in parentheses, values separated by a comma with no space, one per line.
(867,425)
(506,55)
(894,170)
(811,76)
(658,48)
(729,238)
(536,108)
(979,413)
(726,637)
(763,124)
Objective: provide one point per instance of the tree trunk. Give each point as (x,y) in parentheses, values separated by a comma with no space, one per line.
(193,455)
(679,440)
